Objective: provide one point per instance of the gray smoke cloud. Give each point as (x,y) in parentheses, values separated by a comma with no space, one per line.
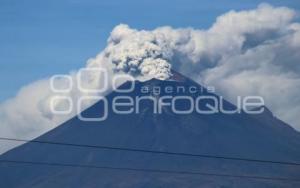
(252,52)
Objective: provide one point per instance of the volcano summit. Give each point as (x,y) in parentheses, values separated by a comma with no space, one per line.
(166,149)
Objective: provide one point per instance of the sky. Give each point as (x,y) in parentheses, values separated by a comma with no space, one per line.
(42,38)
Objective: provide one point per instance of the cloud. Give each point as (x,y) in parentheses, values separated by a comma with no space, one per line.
(251,52)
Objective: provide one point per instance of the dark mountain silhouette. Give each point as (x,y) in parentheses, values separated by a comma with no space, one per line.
(262,137)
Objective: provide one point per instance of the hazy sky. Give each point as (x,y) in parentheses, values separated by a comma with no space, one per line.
(42,38)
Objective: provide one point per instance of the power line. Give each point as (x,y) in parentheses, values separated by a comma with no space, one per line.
(152,170)
(154,151)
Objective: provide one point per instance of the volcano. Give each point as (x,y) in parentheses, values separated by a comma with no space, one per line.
(165,149)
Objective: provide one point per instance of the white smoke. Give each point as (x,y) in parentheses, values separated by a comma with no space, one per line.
(254,52)
(137,53)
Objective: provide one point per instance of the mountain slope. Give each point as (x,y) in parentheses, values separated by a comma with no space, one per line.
(238,135)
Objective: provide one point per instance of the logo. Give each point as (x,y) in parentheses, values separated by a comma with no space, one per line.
(94,84)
